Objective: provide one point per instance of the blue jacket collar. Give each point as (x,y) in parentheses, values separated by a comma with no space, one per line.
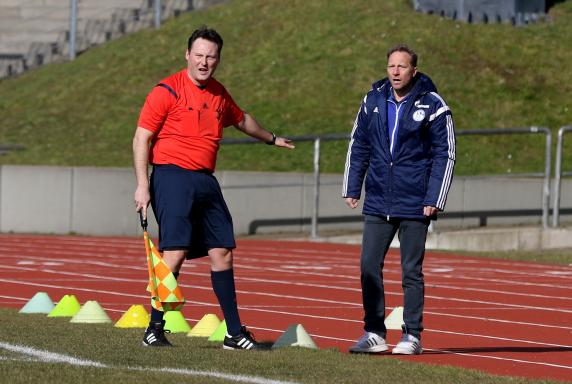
(421,84)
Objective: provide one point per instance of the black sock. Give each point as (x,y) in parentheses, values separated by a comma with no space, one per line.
(156,315)
(223,286)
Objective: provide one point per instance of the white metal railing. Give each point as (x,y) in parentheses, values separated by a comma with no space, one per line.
(558,175)
(317,140)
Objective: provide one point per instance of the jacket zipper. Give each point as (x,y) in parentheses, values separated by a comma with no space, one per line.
(390,184)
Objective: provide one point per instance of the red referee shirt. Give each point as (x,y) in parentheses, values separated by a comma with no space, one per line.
(187,121)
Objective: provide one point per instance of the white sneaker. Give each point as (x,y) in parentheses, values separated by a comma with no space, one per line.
(369,343)
(408,345)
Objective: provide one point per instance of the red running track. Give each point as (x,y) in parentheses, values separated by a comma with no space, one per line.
(503,317)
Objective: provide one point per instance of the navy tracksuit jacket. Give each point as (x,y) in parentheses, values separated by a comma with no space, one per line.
(419,171)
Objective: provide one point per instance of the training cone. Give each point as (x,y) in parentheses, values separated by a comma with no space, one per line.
(39,303)
(91,312)
(175,322)
(395,319)
(206,326)
(68,306)
(219,333)
(135,317)
(295,336)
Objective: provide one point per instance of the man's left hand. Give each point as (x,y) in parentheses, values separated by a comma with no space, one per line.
(430,211)
(284,142)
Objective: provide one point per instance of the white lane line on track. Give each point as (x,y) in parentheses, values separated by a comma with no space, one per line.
(519,306)
(329,253)
(295,314)
(313,299)
(512,322)
(472,355)
(52,357)
(134,245)
(444,351)
(353,277)
(348,277)
(532,274)
(254,307)
(457,276)
(505,282)
(14,298)
(431,285)
(128,245)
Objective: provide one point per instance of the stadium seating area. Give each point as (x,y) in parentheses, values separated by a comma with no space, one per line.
(36,32)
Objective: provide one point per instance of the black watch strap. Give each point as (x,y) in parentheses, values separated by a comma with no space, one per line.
(273,141)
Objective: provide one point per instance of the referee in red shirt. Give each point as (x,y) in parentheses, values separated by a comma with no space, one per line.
(179,130)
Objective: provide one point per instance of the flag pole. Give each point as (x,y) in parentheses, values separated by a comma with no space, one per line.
(143,221)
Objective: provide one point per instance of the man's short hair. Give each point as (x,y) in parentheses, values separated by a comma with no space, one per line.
(404,48)
(208,34)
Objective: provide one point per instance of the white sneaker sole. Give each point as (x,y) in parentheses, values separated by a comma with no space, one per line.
(236,349)
(397,351)
(374,349)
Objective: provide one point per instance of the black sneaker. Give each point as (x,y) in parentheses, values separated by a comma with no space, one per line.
(155,335)
(244,340)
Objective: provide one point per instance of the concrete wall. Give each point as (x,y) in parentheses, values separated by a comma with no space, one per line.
(99,201)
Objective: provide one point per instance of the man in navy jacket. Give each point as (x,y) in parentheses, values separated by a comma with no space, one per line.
(403,140)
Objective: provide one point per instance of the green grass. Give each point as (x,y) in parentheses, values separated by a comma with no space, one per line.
(121,348)
(302,67)
(554,256)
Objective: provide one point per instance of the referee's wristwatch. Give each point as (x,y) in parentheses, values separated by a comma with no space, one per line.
(273,141)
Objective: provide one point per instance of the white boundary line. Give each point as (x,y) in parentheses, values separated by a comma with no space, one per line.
(52,357)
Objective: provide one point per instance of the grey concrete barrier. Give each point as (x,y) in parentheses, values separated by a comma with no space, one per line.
(99,201)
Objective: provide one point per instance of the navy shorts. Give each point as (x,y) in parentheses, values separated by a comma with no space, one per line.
(190,210)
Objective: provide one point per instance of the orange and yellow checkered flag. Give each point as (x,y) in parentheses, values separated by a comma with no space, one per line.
(165,292)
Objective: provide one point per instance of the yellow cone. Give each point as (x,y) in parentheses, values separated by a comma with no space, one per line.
(135,317)
(206,326)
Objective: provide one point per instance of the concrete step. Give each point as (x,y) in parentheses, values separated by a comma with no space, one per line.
(45,13)
(9,12)
(63,13)
(38,29)
(11,47)
(22,36)
(116,3)
(32,26)
(10,67)
(35,3)
(81,3)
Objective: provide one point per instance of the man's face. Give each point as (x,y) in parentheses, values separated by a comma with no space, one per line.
(202,60)
(400,71)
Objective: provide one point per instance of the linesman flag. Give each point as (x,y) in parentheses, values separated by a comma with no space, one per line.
(165,292)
